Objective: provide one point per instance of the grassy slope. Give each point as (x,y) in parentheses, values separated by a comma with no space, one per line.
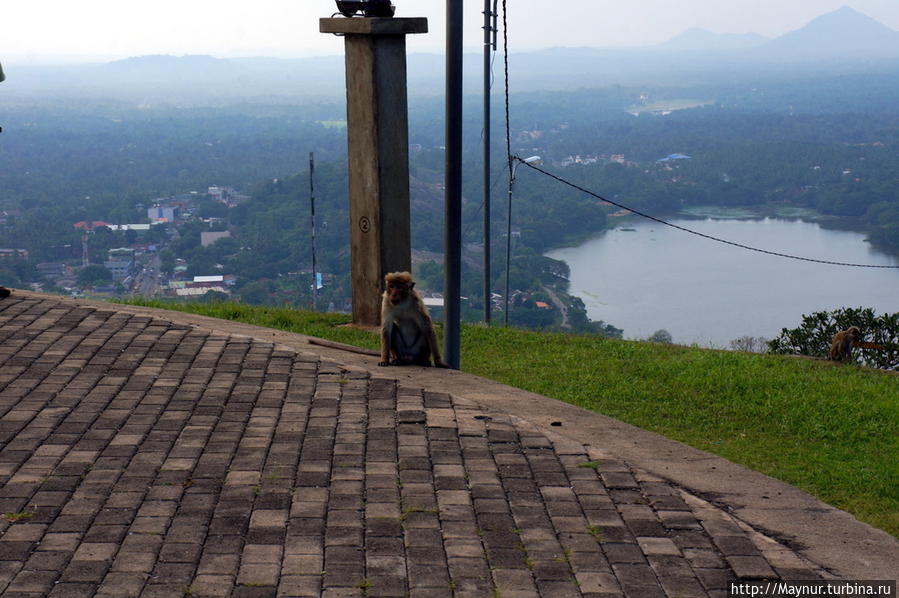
(832,431)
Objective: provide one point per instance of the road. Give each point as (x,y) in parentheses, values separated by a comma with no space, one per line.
(146,283)
(561,306)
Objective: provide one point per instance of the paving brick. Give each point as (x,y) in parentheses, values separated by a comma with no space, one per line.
(735,546)
(658,546)
(125,585)
(47,560)
(73,590)
(751,567)
(158,458)
(36,582)
(703,558)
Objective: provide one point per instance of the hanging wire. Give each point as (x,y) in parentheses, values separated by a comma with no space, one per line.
(693,232)
(509,156)
(492,81)
(511,180)
(508,165)
(474,221)
(470,226)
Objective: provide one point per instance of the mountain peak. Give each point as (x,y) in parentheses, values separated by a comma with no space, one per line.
(844,11)
(843,31)
(846,15)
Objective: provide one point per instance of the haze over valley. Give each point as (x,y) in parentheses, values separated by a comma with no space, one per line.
(843,42)
(187,176)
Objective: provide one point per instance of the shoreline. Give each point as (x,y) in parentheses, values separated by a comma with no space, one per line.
(682,293)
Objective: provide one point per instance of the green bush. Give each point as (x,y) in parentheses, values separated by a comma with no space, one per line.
(815,334)
(94,274)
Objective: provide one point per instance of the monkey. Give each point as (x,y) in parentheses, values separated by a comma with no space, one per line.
(841,347)
(407,333)
(4,292)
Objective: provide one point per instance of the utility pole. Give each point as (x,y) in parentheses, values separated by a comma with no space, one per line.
(452,261)
(85,260)
(85,253)
(489,43)
(312,209)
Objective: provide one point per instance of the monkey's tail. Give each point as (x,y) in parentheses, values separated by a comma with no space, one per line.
(342,347)
(867,345)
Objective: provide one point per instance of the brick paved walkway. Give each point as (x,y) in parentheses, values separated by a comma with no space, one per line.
(144,458)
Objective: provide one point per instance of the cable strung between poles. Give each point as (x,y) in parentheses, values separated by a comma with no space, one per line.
(509,160)
(693,232)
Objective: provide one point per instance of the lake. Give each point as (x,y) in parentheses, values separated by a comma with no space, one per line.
(655,277)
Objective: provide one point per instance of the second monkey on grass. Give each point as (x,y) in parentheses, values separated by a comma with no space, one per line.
(407,333)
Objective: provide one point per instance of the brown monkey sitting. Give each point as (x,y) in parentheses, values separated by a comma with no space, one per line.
(407,333)
(841,347)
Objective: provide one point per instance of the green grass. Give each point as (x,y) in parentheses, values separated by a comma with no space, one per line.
(832,431)
(20,516)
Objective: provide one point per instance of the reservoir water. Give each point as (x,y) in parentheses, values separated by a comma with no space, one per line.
(645,276)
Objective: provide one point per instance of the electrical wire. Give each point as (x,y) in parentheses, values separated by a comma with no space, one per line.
(506,93)
(509,165)
(470,227)
(472,224)
(693,232)
(512,159)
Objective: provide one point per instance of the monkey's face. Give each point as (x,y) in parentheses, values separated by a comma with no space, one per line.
(397,292)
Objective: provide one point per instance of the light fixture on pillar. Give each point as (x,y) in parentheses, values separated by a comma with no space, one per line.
(366,8)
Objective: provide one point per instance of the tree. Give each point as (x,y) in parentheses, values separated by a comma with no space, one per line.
(749,344)
(813,337)
(93,275)
(259,292)
(214,297)
(8,278)
(661,336)
(167,261)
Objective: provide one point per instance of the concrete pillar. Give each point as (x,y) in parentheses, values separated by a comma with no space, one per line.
(378,135)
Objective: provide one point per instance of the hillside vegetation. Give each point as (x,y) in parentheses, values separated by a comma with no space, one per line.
(831,430)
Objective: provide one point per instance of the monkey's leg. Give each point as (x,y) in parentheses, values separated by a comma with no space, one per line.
(406,352)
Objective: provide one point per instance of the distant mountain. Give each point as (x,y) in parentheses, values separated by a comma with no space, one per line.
(700,39)
(843,41)
(842,33)
(155,69)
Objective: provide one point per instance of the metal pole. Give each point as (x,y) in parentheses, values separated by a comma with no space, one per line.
(489,43)
(453,203)
(312,208)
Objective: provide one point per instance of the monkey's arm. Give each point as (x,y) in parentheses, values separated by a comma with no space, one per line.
(385,344)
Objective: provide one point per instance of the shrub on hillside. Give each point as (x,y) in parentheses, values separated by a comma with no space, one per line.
(750,344)
(815,334)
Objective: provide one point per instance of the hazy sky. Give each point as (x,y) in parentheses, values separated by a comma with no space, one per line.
(66,30)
